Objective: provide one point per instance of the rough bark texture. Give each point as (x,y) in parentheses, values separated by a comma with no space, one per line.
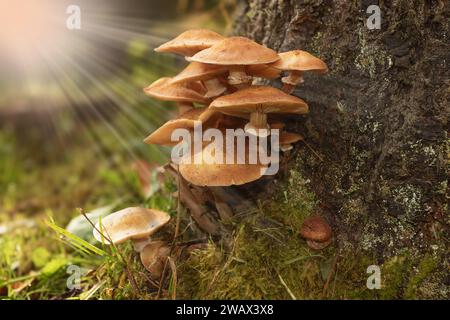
(378,119)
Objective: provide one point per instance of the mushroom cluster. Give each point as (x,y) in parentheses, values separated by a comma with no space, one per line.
(216,89)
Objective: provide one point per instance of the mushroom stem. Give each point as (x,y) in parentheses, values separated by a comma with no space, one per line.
(259,120)
(286,147)
(139,245)
(258,123)
(184,107)
(238,77)
(293,79)
(214,88)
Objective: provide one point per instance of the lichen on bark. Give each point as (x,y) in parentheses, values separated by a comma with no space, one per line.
(378,120)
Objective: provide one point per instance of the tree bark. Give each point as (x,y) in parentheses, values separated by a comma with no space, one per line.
(378,119)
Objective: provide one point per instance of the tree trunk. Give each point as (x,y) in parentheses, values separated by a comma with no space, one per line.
(378,120)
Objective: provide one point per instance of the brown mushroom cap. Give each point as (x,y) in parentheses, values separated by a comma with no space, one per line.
(204,174)
(130,223)
(163,89)
(263,71)
(153,257)
(257,99)
(277,125)
(316,229)
(300,61)
(289,137)
(162,135)
(196,71)
(190,42)
(236,51)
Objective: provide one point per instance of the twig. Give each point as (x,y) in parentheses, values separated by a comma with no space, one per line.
(174,277)
(286,287)
(313,151)
(177,225)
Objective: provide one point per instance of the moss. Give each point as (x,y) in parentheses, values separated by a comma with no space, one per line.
(425,268)
(268,260)
(266,257)
(393,276)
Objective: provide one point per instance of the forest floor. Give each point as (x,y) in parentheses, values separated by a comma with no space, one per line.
(265,258)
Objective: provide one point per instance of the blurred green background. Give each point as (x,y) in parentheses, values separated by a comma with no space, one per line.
(72,123)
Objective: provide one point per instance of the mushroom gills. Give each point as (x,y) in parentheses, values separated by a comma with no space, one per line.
(238,77)
(214,88)
(184,107)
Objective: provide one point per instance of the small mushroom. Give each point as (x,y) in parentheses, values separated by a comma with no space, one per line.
(317,232)
(207,73)
(190,42)
(184,95)
(208,173)
(154,256)
(162,135)
(236,53)
(296,62)
(133,223)
(287,139)
(258,101)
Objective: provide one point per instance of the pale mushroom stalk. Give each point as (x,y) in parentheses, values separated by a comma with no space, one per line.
(140,244)
(293,79)
(286,147)
(184,107)
(214,88)
(238,77)
(258,122)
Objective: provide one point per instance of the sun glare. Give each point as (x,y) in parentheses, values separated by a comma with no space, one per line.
(29,28)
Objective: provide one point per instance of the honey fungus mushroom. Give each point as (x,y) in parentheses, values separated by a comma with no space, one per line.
(184,95)
(206,73)
(258,101)
(133,223)
(163,135)
(190,42)
(210,173)
(236,53)
(296,62)
(287,139)
(154,256)
(317,232)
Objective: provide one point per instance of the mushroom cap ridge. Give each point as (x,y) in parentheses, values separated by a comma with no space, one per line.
(163,89)
(316,229)
(130,223)
(236,51)
(190,42)
(258,98)
(197,71)
(222,174)
(301,61)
